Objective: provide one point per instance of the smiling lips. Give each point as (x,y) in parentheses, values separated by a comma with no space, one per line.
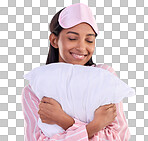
(76,56)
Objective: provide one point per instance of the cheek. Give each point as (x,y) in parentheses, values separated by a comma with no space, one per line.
(64,50)
(65,45)
(91,49)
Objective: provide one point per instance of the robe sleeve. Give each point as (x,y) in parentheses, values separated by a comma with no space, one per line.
(30,106)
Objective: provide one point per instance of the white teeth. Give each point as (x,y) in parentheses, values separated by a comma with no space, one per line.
(78,56)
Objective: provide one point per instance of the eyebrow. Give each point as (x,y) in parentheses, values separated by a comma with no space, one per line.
(78,33)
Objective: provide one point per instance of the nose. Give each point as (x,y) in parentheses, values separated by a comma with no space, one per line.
(81,46)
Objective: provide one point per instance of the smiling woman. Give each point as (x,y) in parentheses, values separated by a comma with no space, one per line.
(76,45)
(72,40)
(81,28)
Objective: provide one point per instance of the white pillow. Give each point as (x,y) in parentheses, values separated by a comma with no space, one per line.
(79,89)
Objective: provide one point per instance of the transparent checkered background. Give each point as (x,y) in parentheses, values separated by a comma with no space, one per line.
(122,44)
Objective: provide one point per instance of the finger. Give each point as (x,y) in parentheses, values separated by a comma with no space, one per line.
(42,114)
(45,100)
(52,101)
(109,106)
(44,106)
(115,113)
(114,107)
(105,106)
(39,112)
(49,100)
(40,105)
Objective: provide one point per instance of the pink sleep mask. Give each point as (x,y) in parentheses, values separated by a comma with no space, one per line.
(76,14)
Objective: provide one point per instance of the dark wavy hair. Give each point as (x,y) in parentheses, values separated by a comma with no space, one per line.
(55,28)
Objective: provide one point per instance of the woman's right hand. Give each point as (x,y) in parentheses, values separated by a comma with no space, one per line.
(103,116)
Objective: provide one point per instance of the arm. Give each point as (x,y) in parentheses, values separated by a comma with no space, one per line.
(118,130)
(30,105)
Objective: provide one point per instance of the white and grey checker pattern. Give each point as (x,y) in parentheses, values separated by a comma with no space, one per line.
(122,44)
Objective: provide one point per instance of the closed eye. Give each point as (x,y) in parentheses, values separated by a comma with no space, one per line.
(90,41)
(75,39)
(71,39)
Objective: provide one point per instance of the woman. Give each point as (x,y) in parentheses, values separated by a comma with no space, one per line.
(73,44)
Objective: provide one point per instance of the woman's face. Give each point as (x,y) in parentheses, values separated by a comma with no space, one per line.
(76,45)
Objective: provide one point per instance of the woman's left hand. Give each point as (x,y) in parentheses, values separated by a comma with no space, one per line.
(50,111)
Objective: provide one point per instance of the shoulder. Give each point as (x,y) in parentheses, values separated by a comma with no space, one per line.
(106,67)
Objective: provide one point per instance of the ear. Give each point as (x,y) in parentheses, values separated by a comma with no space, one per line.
(53,40)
